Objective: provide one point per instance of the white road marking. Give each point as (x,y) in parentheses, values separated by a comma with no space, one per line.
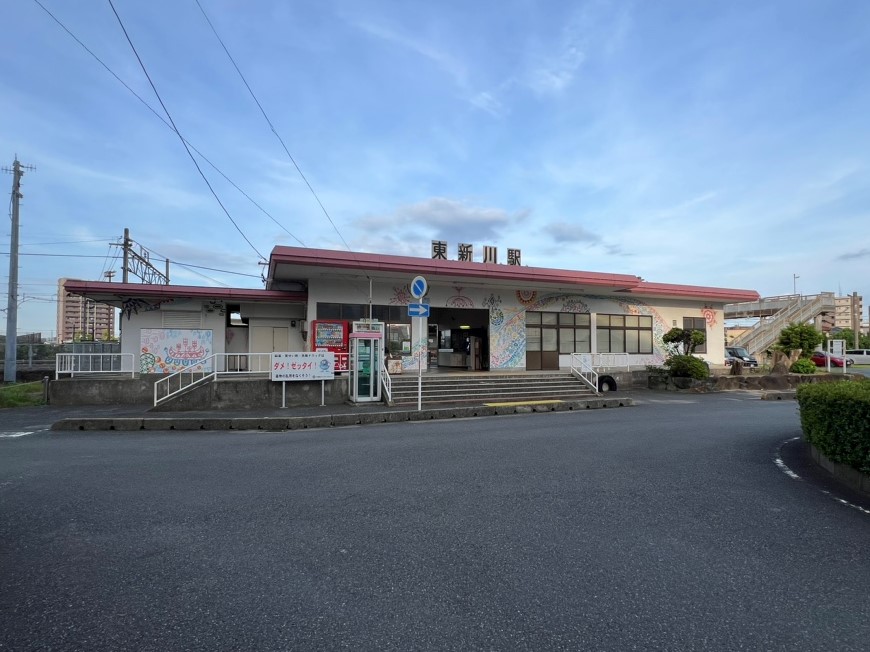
(794,476)
(782,465)
(9,435)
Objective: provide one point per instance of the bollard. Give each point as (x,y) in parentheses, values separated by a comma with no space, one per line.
(45,382)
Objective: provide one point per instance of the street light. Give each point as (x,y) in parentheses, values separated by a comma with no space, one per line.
(796,277)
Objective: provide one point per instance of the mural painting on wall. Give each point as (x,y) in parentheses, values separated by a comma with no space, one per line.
(496,316)
(167,350)
(130,305)
(709,315)
(459,300)
(508,340)
(401,295)
(216,306)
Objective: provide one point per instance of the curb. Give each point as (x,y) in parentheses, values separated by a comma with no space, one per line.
(278,424)
(779,395)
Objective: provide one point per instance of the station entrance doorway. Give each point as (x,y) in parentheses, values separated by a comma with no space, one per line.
(458,339)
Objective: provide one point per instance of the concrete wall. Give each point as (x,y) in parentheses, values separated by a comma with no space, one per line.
(236,393)
(247,393)
(108,391)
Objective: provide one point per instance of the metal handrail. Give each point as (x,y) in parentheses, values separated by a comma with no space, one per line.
(93,363)
(581,368)
(180,375)
(387,383)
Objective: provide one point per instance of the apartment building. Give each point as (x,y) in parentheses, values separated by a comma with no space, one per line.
(81,318)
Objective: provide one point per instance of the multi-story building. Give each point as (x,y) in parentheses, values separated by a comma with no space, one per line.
(80,318)
(849,311)
(846,310)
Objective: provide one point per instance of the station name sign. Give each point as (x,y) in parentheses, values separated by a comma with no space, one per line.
(465,252)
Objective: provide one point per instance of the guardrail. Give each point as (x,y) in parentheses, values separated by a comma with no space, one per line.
(93,363)
(581,368)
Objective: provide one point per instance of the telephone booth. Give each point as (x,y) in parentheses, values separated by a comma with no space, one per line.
(366,360)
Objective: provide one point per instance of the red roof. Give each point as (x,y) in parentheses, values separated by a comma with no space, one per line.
(297,263)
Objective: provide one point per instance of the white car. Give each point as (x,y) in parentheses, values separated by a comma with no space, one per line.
(859,356)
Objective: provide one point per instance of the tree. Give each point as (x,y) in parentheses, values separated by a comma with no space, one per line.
(799,336)
(687,338)
(849,335)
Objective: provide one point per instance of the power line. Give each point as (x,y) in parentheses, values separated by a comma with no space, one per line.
(271,126)
(35,244)
(169,126)
(174,262)
(178,133)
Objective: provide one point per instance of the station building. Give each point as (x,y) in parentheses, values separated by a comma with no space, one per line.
(480,316)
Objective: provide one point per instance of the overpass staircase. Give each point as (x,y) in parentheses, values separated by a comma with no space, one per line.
(776,313)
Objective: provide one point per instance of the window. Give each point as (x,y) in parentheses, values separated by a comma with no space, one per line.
(696,324)
(623,334)
(565,332)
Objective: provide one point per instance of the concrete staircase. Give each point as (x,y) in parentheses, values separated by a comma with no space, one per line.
(490,387)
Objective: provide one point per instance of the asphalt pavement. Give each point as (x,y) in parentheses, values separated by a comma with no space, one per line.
(672,525)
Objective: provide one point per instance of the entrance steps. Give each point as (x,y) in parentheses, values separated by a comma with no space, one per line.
(489,387)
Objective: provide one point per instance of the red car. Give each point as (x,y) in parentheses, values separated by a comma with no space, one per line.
(821,358)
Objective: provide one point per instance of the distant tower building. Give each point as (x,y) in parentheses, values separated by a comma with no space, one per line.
(79,318)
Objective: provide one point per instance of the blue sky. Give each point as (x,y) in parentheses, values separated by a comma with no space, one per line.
(705,143)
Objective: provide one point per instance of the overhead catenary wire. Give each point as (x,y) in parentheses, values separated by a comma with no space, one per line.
(178,133)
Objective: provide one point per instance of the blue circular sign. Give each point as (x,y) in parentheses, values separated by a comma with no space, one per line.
(419,287)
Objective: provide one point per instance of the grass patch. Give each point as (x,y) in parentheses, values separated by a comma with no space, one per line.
(21,395)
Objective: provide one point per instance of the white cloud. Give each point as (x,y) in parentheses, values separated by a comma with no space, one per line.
(446,219)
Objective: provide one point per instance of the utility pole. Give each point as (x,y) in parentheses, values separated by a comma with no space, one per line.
(10,369)
(856,321)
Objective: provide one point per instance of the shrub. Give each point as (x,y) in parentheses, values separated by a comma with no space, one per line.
(685,340)
(835,418)
(687,366)
(803,366)
(799,336)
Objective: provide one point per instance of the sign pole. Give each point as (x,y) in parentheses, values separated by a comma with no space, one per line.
(322,393)
(419,371)
(284,393)
(419,287)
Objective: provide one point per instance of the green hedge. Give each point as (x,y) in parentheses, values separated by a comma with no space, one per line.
(835,418)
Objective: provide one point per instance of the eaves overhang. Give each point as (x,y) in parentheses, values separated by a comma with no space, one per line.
(117,294)
(697,292)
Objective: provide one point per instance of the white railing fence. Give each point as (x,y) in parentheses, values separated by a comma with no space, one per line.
(387,383)
(168,386)
(614,361)
(581,368)
(93,363)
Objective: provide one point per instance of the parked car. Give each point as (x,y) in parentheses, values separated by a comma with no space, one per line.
(860,356)
(733,353)
(821,360)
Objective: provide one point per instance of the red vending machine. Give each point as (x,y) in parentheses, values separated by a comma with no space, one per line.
(332,335)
